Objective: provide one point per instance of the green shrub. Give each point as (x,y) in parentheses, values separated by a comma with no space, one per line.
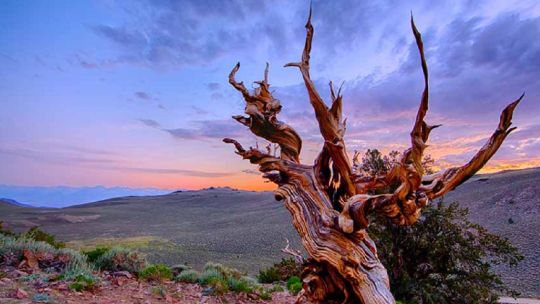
(71,264)
(93,255)
(288,268)
(220,287)
(226,272)
(265,295)
(217,276)
(294,284)
(39,235)
(188,276)
(443,258)
(156,272)
(269,275)
(281,271)
(63,260)
(83,282)
(222,279)
(276,288)
(244,284)
(210,276)
(121,259)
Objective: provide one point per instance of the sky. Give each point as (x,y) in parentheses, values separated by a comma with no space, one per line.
(135,93)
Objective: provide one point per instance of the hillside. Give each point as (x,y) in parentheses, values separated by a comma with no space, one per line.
(247,229)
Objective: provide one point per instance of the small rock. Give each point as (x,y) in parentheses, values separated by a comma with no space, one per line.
(122,274)
(120,281)
(19,273)
(207,291)
(21,294)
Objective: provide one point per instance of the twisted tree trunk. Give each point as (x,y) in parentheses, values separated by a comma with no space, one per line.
(329,200)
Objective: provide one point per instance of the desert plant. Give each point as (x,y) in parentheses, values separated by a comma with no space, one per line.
(210,277)
(156,272)
(214,278)
(226,272)
(276,288)
(71,265)
(37,234)
(269,275)
(281,271)
(443,258)
(188,276)
(243,284)
(265,295)
(223,279)
(288,268)
(12,252)
(83,282)
(94,254)
(294,284)
(121,259)
(418,256)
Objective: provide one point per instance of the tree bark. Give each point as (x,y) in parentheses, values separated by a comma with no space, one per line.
(330,202)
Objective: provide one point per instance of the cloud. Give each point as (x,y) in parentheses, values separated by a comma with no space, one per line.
(122,36)
(251,172)
(216,96)
(174,34)
(209,129)
(56,157)
(194,173)
(213,86)
(143,95)
(86,63)
(99,162)
(199,111)
(150,123)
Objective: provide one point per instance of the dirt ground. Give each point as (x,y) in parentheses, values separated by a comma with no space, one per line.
(20,287)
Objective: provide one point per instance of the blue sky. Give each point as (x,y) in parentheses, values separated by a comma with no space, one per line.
(135,93)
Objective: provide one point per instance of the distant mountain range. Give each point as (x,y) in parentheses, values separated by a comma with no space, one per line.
(14,202)
(58,197)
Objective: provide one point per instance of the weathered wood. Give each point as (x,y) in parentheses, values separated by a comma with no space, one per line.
(330,201)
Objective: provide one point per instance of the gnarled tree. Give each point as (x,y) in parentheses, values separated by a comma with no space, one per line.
(330,202)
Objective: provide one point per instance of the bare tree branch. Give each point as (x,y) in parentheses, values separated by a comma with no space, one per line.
(297,255)
(262,109)
(330,125)
(442,182)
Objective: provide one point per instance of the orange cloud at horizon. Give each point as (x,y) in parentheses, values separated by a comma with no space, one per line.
(258,183)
